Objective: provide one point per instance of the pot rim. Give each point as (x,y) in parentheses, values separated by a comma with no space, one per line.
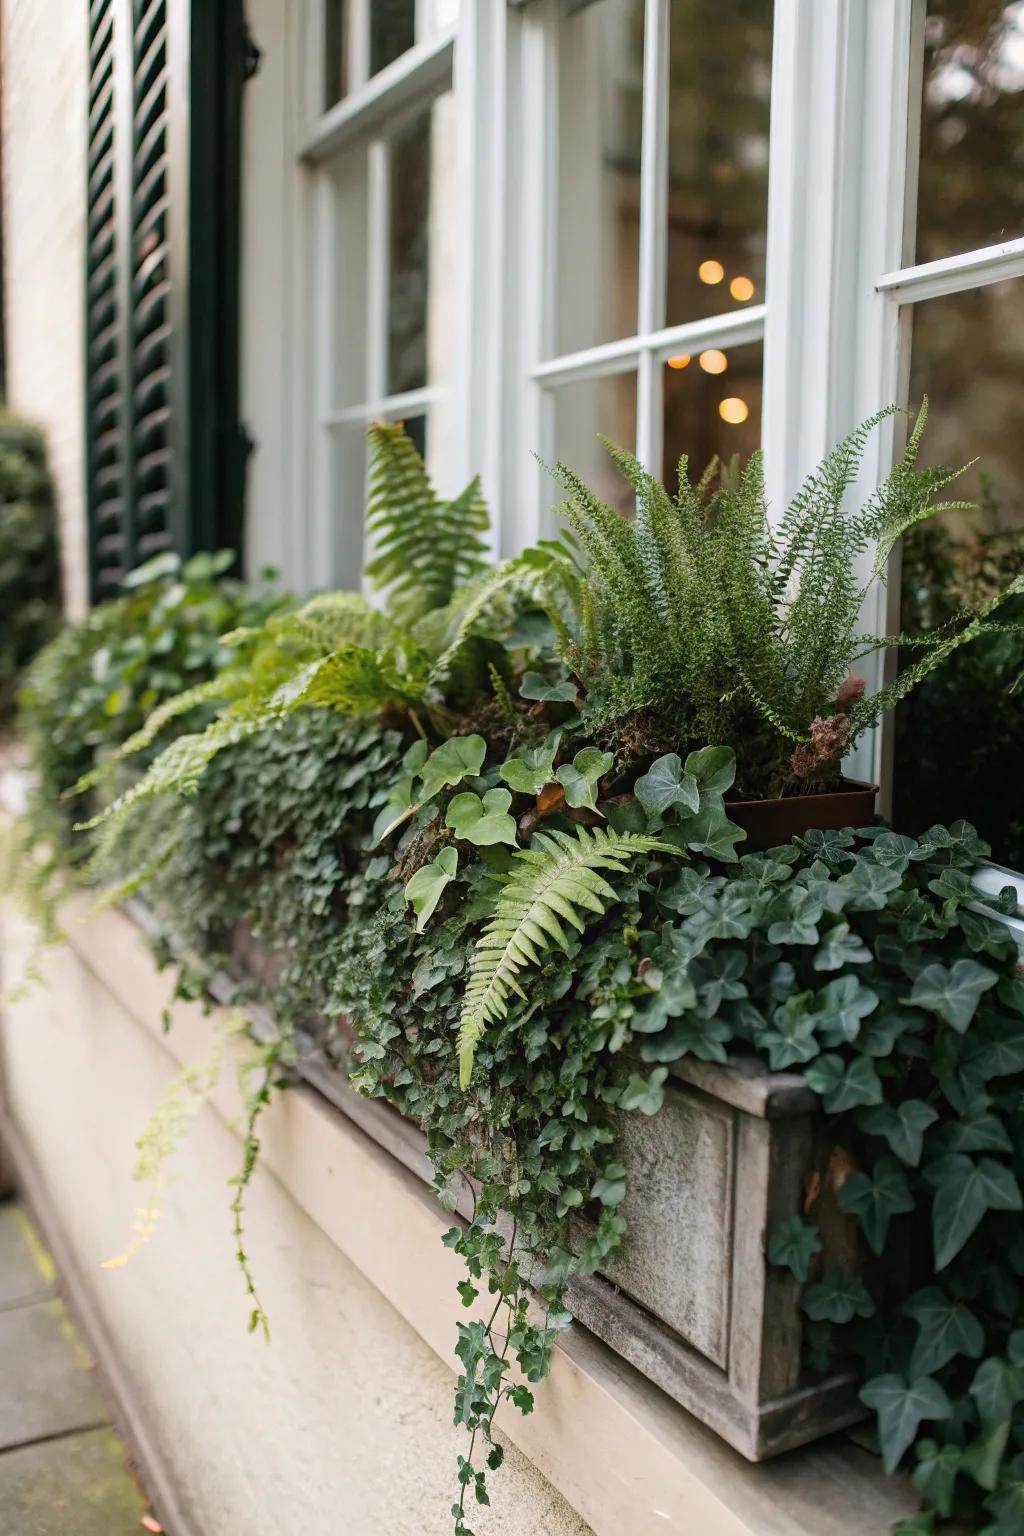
(852,789)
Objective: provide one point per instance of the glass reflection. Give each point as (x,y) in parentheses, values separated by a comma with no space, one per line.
(712,408)
(581,411)
(959,737)
(336,17)
(720,62)
(971,176)
(600,104)
(392,31)
(410,249)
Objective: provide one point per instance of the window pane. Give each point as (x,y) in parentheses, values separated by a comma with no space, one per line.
(600,92)
(960,736)
(971,178)
(392,31)
(968,357)
(712,407)
(720,62)
(420,325)
(348,385)
(581,411)
(336,62)
(344,553)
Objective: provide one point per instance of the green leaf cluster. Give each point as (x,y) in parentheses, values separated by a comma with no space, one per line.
(706,614)
(29,564)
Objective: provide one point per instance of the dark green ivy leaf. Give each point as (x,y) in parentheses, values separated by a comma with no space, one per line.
(903,1126)
(875,1198)
(935,1473)
(844,1087)
(952,992)
(1007,1504)
(841,947)
(902,1407)
(946,1328)
(646,1095)
(997,1388)
(792,1245)
(965,1190)
(838,1298)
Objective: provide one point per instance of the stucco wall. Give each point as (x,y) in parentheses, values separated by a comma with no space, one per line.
(44,147)
(343,1423)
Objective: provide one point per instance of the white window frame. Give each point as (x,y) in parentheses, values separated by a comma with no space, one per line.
(373,110)
(840,286)
(846,95)
(539,370)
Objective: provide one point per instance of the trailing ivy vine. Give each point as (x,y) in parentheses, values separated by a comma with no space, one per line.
(453,843)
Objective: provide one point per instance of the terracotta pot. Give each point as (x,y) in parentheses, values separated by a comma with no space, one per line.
(770,822)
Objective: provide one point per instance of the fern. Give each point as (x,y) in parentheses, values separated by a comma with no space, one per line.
(557,881)
(727,627)
(425,548)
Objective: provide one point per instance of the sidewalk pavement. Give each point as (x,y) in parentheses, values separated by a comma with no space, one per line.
(63,1470)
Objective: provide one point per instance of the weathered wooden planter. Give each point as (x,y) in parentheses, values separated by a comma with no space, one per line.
(690,1300)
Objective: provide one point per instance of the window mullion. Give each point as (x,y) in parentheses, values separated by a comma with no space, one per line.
(378,267)
(653,226)
(358,44)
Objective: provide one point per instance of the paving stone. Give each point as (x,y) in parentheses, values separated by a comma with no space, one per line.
(46,1378)
(80,1485)
(26,1272)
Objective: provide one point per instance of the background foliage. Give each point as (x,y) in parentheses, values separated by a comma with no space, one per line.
(960,736)
(451,848)
(29,566)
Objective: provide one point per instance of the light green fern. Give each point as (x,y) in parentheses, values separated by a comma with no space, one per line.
(555,882)
(425,549)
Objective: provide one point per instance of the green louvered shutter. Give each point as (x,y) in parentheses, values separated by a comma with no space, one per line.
(155,434)
(104,341)
(166,453)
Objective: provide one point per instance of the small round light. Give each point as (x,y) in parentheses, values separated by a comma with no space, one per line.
(711,272)
(682,361)
(741,289)
(713,361)
(733,410)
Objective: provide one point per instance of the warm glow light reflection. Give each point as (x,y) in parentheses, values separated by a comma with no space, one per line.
(713,361)
(741,289)
(682,361)
(733,410)
(711,272)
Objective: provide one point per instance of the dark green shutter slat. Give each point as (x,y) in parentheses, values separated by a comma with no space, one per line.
(152,426)
(105,419)
(166,454)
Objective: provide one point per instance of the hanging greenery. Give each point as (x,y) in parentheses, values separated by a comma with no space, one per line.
(457,848)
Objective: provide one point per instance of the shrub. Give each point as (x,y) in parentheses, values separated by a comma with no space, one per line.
(960,735)
(93,686)
(471,868)
(29,570)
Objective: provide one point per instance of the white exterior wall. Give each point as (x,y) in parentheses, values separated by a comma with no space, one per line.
(343,1423)
(45,49)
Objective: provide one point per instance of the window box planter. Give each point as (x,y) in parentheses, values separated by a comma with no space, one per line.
(690,1299)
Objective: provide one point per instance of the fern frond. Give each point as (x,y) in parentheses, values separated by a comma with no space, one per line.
(557,881)
(425,548)
(446,632)
(214,689)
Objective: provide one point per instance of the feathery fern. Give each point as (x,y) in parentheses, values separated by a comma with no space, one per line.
(704,613)
(425,548)
(556,881)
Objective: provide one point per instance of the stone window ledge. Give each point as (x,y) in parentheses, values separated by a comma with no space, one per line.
(620,1451)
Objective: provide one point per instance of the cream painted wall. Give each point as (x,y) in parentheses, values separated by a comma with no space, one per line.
(44,121)
(342,1425)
